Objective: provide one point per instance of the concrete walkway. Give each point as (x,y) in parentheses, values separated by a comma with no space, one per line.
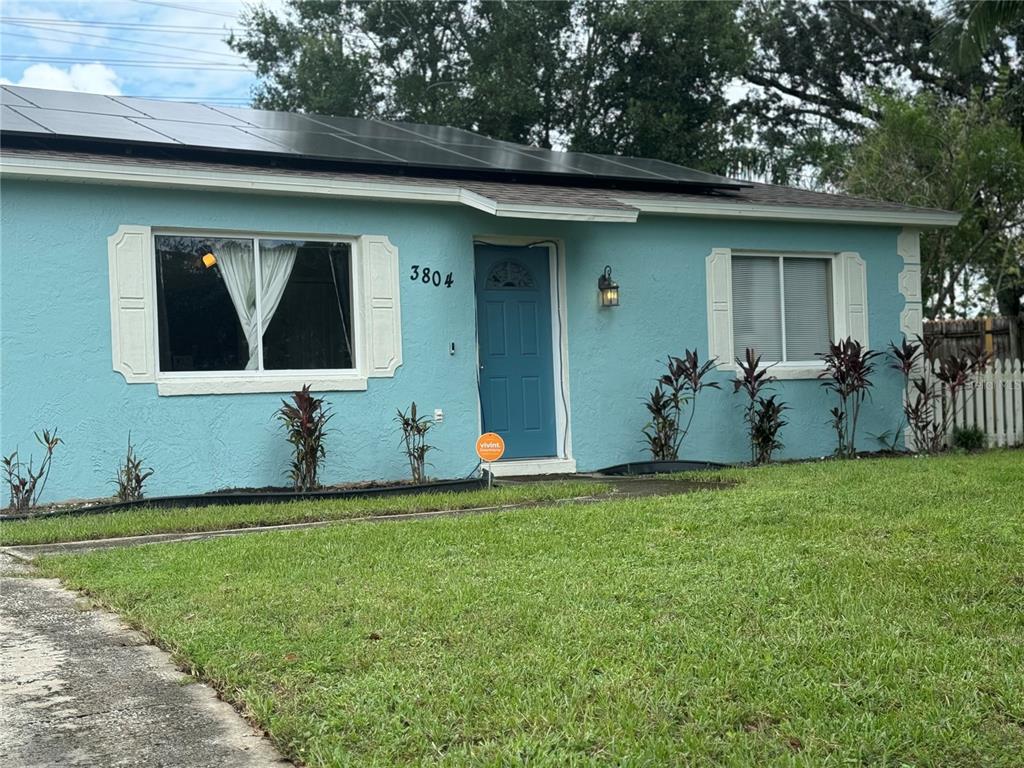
(78,688)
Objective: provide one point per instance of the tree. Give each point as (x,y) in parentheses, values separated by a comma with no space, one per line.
(982,24)
(958,156)
(294,51)
(632,77)
(648,80)
(817,67)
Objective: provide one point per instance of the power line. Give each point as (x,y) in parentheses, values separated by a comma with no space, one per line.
(76,33)
(86,44)
(199,65)
(185,8)
(114,25)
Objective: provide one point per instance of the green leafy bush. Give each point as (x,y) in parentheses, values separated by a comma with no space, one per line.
(969,439)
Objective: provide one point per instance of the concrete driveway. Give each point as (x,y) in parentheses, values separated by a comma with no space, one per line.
(78,688)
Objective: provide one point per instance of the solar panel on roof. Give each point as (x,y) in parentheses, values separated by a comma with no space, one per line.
(260,118)
(12,99)
(92,126)
(211,135)
(662,168)
(420,153)
(189,113)
(577,162)
(90,103)
(442,134)
(367,129)
(506,159)
(12,120)
(248,132)
(321,145)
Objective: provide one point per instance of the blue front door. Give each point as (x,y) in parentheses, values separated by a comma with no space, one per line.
(513,301)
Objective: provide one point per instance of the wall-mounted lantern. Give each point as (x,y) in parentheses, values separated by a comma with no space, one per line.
(608,289)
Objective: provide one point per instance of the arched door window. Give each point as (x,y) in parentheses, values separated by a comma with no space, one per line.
(509,274)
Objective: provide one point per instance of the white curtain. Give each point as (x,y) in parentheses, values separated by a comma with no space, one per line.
(238,268)
(275,267)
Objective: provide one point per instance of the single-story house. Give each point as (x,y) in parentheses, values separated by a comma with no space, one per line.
(173,270)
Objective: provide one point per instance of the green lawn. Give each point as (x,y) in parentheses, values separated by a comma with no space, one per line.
(142,521)
(862,612)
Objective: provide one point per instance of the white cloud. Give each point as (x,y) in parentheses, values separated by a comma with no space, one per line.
(89,78)
(105,46)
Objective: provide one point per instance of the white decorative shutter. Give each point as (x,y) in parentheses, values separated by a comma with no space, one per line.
(855,287)
(908,245)
(381,302)
(718,268)
(132,303)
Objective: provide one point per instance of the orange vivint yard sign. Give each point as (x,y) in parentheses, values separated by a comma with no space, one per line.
(490,447)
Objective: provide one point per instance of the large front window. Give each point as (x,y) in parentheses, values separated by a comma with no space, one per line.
(781,306)
(253,304)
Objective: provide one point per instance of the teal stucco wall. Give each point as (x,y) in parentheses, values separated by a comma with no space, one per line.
(56,360)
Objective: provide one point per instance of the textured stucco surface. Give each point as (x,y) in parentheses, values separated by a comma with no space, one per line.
(56,367)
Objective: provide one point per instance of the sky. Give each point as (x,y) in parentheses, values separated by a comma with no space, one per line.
(165,49)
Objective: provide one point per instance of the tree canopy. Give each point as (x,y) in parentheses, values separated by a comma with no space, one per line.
(825,94)
(633,78)
(960,157)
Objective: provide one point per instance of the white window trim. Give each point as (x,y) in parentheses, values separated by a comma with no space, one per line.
(721,337)
(237,382)
(374,291)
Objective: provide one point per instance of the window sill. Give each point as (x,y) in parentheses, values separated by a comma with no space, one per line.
(240,385)
(786,371)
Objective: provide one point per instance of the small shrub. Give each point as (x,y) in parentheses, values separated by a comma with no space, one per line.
(929,423)
(848,369)
(969,439)
(130,475)
(414,438)
(305,419)
(25,483)
(676,392)
(762,415)
(765,427)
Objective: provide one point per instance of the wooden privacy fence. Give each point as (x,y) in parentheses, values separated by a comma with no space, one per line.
(994,403)
(1002,337)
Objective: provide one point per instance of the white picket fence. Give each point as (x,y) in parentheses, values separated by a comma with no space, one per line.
(994,403)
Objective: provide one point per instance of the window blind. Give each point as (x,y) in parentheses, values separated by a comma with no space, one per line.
(757,306)
(806,289)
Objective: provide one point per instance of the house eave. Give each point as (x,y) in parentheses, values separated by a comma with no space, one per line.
(107,172)
(740,210)
(50,169)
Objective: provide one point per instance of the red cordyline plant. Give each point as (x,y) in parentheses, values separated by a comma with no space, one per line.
(763,415)
(24,482)
(305,419)
(923,411)
(676,391)
(849,366)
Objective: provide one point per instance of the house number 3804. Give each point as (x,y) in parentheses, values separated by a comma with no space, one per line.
(429,276)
